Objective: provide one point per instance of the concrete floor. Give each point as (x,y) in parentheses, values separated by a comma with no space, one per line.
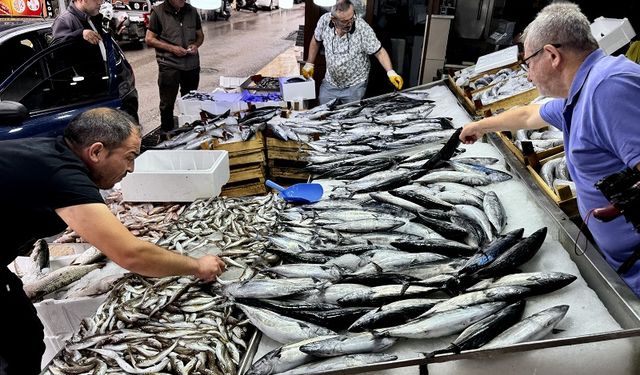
(238,47)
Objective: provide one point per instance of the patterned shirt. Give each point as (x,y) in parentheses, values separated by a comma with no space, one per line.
(348,55)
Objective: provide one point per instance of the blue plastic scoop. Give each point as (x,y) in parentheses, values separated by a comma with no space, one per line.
(298,193)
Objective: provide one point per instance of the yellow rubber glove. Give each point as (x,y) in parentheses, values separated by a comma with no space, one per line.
(395,79)
(307,70)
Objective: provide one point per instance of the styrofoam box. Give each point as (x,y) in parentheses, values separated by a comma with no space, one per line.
(496,59)
(612,33)
(220,107)
(176,176)
(293,91)
(189,107)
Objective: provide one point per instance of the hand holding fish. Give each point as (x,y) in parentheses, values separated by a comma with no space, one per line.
(471,132)
(209,266)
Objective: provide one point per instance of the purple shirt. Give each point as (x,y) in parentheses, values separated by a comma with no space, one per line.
(600,121)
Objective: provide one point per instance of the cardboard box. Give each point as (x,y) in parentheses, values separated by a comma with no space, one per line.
(176,176)
(612,33)
(295,91)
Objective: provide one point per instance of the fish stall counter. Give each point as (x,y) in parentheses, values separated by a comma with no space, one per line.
(600,332)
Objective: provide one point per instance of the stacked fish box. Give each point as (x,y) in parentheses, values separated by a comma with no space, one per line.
(247,163)
(553,178)
(529,147)
(542,152)
(287,159)
(494,91)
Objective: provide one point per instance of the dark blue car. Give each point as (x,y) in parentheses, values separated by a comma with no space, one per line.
(44,85)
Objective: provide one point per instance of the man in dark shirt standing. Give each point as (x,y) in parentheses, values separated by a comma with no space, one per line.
(49,184)
(175,31)
(82,19)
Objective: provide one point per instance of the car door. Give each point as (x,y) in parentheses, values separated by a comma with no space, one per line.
(55,85)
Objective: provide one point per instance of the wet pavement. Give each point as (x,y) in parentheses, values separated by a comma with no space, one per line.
(238,47)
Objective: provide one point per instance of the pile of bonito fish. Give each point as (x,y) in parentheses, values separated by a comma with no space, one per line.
(408,248)
(224,128)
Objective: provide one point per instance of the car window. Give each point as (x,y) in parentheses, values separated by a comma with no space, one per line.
(67,74)
(15,52)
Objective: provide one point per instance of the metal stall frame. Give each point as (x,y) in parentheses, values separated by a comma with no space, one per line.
(622,303)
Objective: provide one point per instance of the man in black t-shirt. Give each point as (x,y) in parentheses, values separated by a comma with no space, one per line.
(48,184)
(175,31)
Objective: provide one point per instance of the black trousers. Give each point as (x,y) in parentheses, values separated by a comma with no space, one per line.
(169,80)
(21,343)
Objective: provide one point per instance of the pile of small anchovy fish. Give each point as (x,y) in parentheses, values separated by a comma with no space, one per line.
(233,228)
(540,139)
(146,325)
(147,221)
(177,325)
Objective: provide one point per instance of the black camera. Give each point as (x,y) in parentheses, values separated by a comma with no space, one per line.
(622,190)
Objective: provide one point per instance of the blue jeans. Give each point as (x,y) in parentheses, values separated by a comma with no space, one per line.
(349,94)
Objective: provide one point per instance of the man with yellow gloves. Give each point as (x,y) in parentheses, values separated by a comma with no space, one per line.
(348,41)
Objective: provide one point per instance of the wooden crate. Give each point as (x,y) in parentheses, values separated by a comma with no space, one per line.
(531,157)
(247,173)
(465,96)
(287,159)
(564,198)
(288,172)
(522,98)
(256,188)
(247,164)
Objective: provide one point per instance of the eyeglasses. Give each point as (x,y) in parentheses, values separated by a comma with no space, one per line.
(525,65)
(344,24)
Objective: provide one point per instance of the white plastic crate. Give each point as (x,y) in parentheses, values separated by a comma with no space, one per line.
(189,107)
(293,91)
(612,33)
(176,176)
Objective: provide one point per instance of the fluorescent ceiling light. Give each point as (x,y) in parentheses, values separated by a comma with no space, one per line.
(325,3)
(206,4)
